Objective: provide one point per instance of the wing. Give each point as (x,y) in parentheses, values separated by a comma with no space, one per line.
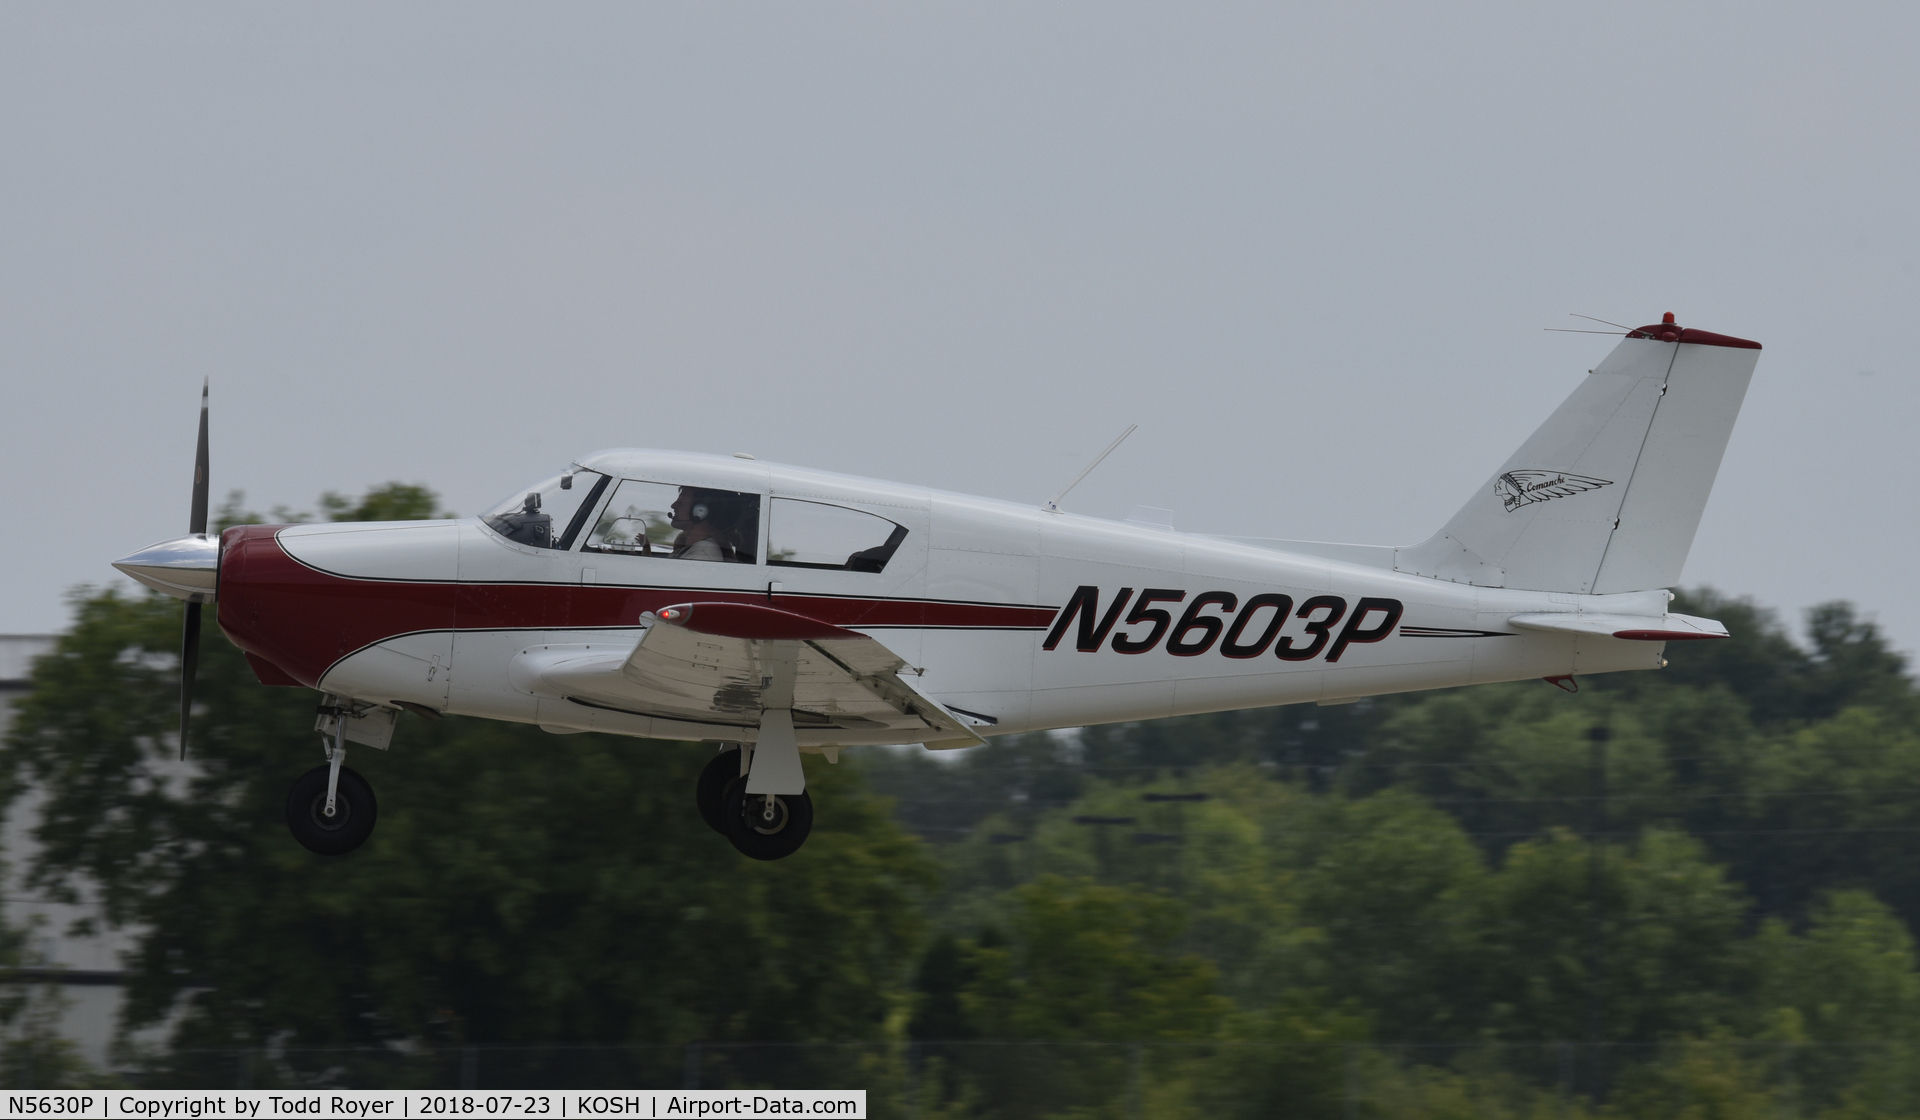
(724,663)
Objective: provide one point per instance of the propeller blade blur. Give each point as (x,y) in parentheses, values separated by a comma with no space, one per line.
(197,522)
(189,667)
(198,565)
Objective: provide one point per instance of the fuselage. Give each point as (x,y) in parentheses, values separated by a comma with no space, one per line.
(1018,618)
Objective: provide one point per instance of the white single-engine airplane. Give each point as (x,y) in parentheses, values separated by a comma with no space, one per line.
(778,610)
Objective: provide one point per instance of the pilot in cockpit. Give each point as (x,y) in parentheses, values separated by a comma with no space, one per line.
(708,521)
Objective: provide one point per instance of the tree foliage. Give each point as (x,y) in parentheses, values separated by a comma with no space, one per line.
(1727,875)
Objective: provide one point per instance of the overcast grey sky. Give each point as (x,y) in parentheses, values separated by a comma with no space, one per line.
(1309,248)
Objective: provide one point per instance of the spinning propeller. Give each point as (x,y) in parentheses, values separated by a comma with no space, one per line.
(186,568)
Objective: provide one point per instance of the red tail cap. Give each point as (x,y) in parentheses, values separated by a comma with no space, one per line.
(1667,330)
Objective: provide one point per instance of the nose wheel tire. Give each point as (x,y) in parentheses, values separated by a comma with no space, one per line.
(711,794)
(760,834)
(354,810)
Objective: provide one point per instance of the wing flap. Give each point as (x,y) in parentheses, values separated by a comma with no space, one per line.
(727,662)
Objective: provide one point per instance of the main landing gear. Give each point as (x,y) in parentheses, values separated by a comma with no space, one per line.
(331,809)
(759,825)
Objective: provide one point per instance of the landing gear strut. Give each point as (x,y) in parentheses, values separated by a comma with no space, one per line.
(759,825)
(331,809)
(762,805)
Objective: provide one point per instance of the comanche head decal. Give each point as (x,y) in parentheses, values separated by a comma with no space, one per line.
(1520,488)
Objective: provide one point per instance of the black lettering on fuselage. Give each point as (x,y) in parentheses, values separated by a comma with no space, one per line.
(1086,605)
(1209,626)
(1198,632)
(1353,633)
(1335,606)
(1143,611)
(1282,610)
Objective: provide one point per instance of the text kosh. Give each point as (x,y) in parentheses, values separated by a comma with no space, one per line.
(1218,620)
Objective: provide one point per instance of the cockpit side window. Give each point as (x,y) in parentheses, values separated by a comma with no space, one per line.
(551,514)
(678,523)
(817,535)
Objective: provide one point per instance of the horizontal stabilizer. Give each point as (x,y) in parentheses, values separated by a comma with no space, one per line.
(1632,627)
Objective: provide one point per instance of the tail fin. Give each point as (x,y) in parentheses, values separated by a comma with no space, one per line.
(1607,495)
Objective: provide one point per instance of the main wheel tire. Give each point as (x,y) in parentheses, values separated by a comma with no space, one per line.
(354,811)
(758,838)
(711,793)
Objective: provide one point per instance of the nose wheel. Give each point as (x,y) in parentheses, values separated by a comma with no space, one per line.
(351,821)
(765,825)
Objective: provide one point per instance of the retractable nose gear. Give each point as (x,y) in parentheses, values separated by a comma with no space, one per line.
(335,757)
(331,809)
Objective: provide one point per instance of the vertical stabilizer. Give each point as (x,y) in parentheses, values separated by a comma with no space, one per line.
(1607,495)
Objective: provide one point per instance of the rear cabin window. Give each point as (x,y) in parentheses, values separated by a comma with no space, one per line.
(678,523)
(817,535)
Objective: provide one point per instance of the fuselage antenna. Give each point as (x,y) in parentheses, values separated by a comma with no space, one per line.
(1053,503)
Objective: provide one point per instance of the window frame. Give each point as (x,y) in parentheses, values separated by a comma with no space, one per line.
(587,509)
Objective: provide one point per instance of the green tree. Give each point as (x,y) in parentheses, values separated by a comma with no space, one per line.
(1666,946)
(1845,661)
(1083,962)
(1849,978)
(1831,805)
(1379,918)
(1386,884)
(1225,859)
(394,501)
(1092,962)
(391,501)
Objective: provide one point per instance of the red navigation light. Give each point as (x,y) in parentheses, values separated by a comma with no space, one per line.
(1667,318)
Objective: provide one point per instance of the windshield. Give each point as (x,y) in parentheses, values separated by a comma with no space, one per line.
(548,515)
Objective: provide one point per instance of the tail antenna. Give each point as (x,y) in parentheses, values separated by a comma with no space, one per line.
(1591,319)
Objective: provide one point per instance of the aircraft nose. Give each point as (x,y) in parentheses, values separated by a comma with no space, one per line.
(186,567)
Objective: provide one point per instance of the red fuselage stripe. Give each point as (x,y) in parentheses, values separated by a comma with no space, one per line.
(304,620)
